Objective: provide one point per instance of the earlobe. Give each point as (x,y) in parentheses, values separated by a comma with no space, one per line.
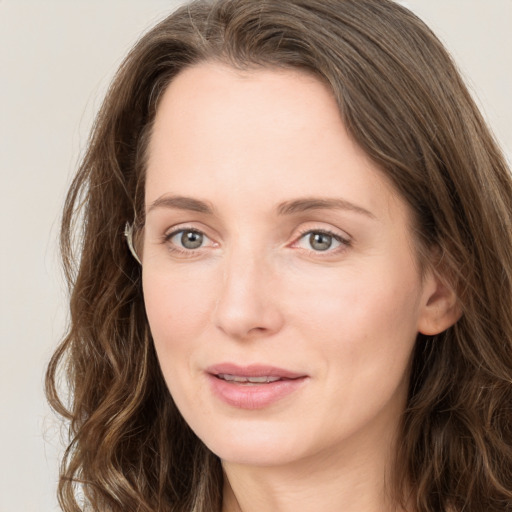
(440,307)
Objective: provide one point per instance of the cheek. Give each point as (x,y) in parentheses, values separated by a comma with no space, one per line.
(177,308)
(360,332)
(357,302)
(363,327)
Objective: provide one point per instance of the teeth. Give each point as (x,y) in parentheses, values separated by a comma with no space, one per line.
(259,380)
(253,380)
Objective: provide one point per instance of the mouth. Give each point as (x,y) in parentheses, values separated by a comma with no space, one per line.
(253,386)
(248,381)
(252,374)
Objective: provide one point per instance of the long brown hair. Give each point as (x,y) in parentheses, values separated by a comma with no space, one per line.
(405,104)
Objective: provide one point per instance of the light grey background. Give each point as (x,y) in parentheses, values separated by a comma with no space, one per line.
(56,59)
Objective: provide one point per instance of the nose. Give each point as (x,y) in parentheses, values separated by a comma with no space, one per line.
(247,306)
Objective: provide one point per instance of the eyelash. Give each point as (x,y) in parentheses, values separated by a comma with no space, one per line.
(345,243)
(189,253)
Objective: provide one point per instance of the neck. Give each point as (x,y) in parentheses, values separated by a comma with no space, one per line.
(334,481)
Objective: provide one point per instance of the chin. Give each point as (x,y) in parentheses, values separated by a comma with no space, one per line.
(254,445)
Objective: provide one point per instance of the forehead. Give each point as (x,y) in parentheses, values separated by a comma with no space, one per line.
(252,107)
(267,135)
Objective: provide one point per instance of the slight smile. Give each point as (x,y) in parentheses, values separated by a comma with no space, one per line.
(252,387)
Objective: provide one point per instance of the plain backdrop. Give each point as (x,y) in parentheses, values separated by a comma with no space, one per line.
(56,60)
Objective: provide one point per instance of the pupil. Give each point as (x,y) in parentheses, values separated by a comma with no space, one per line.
(320,241)
(191,239)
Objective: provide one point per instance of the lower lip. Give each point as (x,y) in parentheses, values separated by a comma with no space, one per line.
(253,396)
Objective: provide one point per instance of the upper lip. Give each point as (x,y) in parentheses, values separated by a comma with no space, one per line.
(253,370)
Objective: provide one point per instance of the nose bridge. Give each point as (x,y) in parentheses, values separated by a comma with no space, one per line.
(246,305)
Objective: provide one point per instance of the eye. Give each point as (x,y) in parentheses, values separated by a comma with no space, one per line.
(321,241)
(189,239)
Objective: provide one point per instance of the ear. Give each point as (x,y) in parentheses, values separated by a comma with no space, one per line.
(440,308)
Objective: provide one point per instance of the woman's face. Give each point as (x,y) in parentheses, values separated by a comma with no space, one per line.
(276,251)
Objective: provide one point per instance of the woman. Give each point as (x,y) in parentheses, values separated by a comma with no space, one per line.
(316,311)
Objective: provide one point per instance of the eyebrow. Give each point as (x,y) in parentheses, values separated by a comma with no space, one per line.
(317,203)
(182,203)
(285,208)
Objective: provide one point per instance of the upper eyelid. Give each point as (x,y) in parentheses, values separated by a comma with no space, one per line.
(178,228)
(185,227)
(335,231)
(343,236)
(172,232)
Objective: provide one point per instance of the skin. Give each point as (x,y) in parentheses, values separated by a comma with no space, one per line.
(259,290)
